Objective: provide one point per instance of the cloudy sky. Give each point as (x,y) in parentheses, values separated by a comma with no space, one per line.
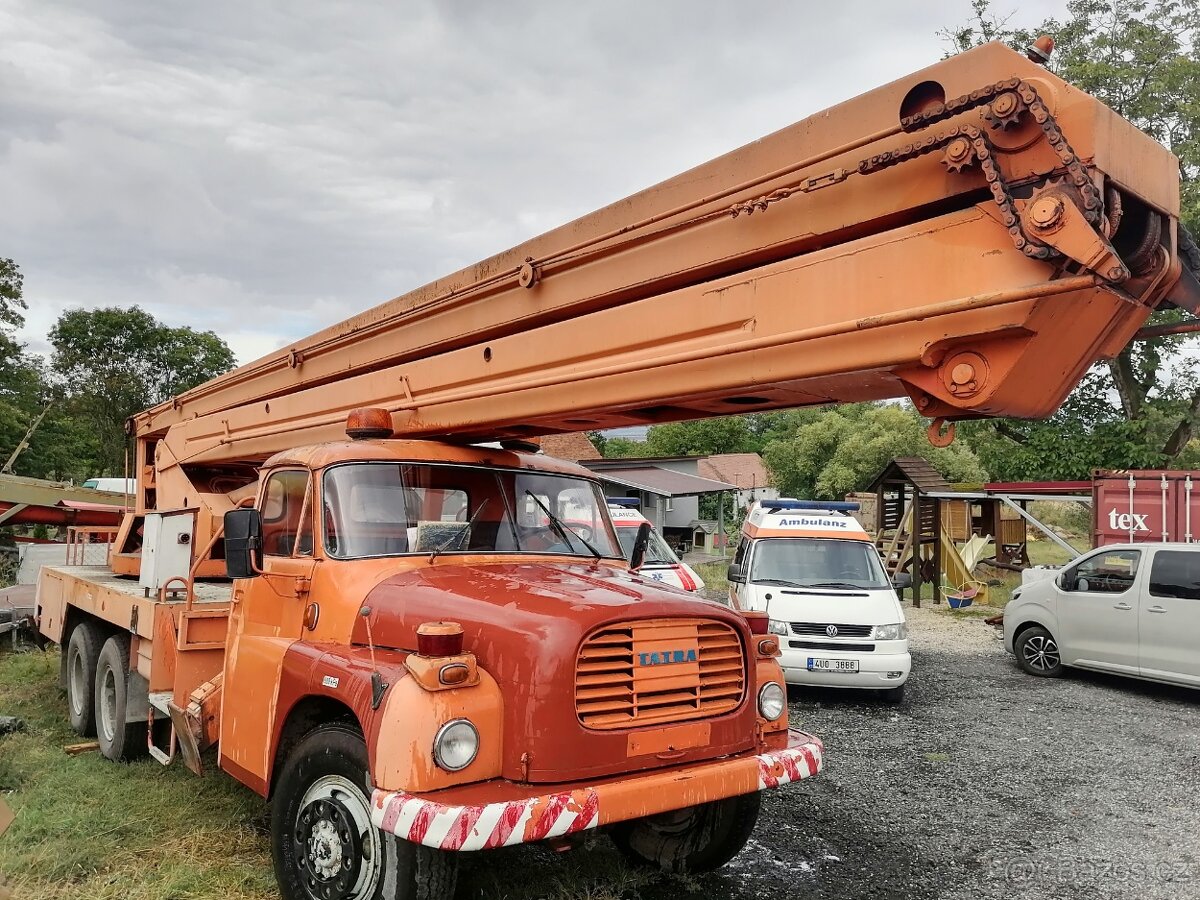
(266,169)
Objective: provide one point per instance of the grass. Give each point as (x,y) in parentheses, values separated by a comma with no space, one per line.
(91,830)
(88,829)
(716,585)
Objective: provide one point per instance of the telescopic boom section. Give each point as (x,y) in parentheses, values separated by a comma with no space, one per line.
(973,237)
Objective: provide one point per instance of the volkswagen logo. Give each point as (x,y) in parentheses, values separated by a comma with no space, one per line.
(831,630)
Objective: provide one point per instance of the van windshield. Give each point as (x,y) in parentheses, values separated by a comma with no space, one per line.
(818,562)
(657,551)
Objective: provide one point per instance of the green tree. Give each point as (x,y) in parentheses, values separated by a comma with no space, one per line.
(1141,58)
(841,450)
(113,362)
(12,301)
(702,437)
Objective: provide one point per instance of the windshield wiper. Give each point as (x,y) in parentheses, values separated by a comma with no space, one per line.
(457,538)
(844,585)
(561,527)
(782,581)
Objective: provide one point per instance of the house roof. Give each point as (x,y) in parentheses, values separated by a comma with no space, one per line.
(746,470)
(916,470)
(664,482)
(574,447)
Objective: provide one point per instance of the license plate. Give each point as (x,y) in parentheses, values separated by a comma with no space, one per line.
(849,666)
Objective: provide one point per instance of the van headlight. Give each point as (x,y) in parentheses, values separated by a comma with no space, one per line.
(895,632)
(455,745)
(774,626)
(772,701)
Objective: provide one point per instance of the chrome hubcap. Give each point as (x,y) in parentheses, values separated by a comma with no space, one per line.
(1041,652)
(337,848)
(78,686)
(108,705)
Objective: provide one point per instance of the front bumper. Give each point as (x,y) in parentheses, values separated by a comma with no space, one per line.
(503,813)
(876,671)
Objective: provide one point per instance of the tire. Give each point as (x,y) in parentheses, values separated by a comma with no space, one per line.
(694,839)
(120,739)
(1037,652)
(321,812)
(79,671)
(893,695)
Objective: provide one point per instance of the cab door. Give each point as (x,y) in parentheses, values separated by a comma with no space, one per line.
(1169,617)
(739,590)
(1097,607)
(267,618)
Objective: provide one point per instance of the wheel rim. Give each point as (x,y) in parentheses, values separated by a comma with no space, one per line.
(78,685)
(1041,653)
(337,849)
(108,705)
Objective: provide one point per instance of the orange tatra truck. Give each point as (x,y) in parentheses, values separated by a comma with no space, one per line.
(431,646)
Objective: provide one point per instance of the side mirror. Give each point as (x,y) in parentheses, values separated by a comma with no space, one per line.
(637,555)
(735,573)
(243,543)
(901,581)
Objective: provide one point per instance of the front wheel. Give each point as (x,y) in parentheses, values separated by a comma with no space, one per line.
(694,839)
(322,841)
(1037,652)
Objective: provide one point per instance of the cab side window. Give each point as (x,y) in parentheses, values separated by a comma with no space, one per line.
(1104,573)
(1176,574)
(286,525)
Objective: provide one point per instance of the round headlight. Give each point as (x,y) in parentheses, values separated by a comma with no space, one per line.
(456,744)
(772,700)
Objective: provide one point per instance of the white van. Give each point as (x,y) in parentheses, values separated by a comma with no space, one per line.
(115,485)
(1129,609)
(816,573)
(661,562)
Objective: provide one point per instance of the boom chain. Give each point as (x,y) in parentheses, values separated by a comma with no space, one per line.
(984,151)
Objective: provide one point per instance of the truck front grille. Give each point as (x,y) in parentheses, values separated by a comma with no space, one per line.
(657,671)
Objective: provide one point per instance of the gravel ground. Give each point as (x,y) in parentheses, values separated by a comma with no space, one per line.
(984,782)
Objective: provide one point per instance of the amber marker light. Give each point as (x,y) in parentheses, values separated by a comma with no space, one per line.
(369,422)
(439,639)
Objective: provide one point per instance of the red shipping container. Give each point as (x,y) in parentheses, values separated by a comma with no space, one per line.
(1143,505)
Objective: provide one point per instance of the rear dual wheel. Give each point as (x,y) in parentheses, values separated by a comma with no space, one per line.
(323,842)
(120,739)
(82,657)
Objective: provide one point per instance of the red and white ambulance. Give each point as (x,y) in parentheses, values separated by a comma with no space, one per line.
(816,573)
(661,562)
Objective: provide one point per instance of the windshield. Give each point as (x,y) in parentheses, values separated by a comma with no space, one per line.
(812,562)
(390,509)
(657,551)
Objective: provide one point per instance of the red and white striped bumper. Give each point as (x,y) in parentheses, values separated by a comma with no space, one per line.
(425,820)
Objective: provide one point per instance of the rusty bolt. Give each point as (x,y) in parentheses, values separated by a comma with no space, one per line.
(1005,104)
(1046,212)
(962,373)
(958,150)
(1117,273)
(527,276)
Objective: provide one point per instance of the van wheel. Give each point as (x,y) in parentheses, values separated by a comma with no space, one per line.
(1037,652)
(83,653)
(120,740)
(694,839)
(323,843)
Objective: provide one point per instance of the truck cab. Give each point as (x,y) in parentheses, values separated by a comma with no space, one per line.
(815,572)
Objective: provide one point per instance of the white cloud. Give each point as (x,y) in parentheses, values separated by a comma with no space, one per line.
(264,170)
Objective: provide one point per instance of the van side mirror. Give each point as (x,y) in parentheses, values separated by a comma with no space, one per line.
(901,581)
(243,543)
(735,573)
(641,543)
